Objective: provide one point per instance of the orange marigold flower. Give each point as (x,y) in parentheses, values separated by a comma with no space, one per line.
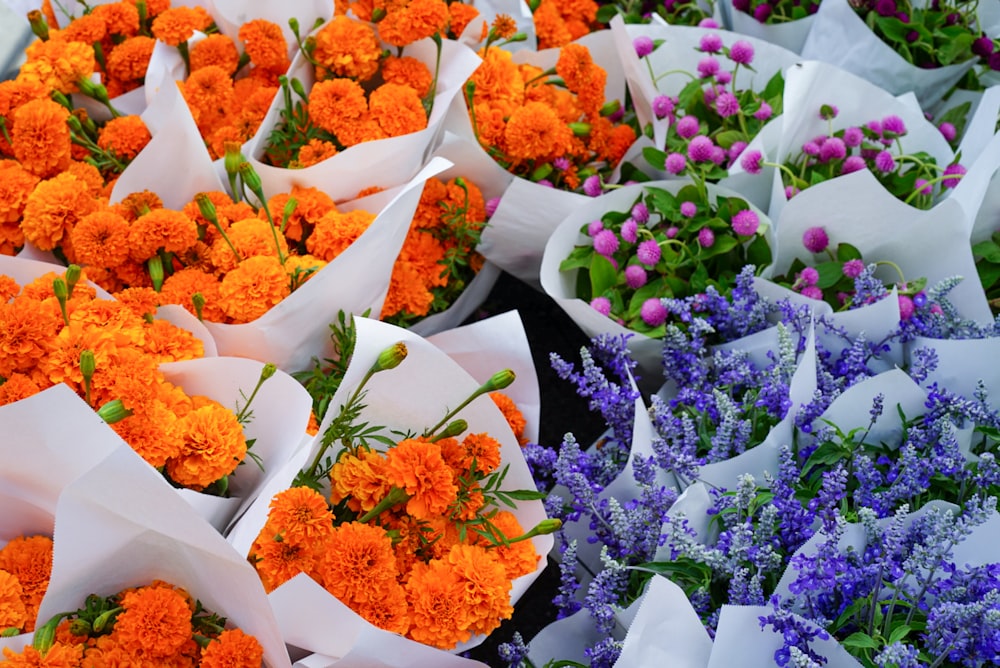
(487,589)
(212,446)
(129,60)
(410,71)
(54,208)
(216,49)
(17,386)
(162,229)
(133,377)
(250,237)
(359,479)
(311,205)
(90,175)
(504,26)
(513,415)
(484,449)
(498,82)
(313,153)
(16,183)
(264,42)
(40,138)
(407,293)
(461,15)
(300,514)
(417,20)
(622,138)
(300,268)
(209,94)
(424,254)
(138,204)
(87,29)
(438,614)
(150,432)
(534,132)
(336,230)
(397,109)
(386,608)
(357,560)
(120,18)
(336,103)
(418,468)
(232,649)
(155,620)
(469,200)
(576,67)
(278,560)
(178,24)
(165,342)
(550,28)
(154,7)
(101,238)
(518,558)
(141,302)
(58,656)
(251,289)
(9,288)
(347,48)
(12,611)
(59,65)
(29,559)
(180,287)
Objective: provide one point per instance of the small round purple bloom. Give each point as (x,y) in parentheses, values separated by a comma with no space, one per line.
(920,185)
(762,13)
(672,231)
(874,126)
(912,36)
(718,155)
(815,239)
(675,163)
(832,149)
(700,149)
(635,276)
(809,276)
(648,252)
(640,213)
(594,226)
(811,148)
(653,312)
(643,45)
(741,52)
(903,18)
(491,206)
(993,62)
(884,162)
(745,223)
(736,150)
(707,67)
(750,162)
(853,136)
(601,304)
(948,131)
(983,46)
(727,105)
(629,231)
(955,170)
(606,242)
(764,112)
(920,299)
(828,111)
(790,192)
(710,94)
(812,292)
(724,77)
(906,307)
(663,106)
(708,23)
(893,125)
(546,183)
(854,163)
(853,268)
(592,185)
(687,127)
(706,237)
(885,7)
(688,209)
(710,43)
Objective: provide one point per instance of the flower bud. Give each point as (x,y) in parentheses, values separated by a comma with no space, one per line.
(299,89)
(94,90)
(105,618)
(547,526)
(293,23)
(10,632)
(113,411)
(499,380)
(38,25)
(155,266)
(251,179)
(80,627)
(391,357)
(454,428)
(88,364)
(72,277)
(580,129)
(198,300)
(206,206)
(60,289)
(378,13)
(233,158)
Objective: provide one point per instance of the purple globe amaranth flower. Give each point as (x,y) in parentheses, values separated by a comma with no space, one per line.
(635,276)
(653,312)
(957,171)
(710,43)
(811,148)
(893,125)
(727,105)
(688,127)
(648,252)
(912,36)
(791,191)
(948,131)
(903,18)
(741,52)
(906,307)
(983,46)
(724,77)
(736,150)
(718,155)
(663,106)
(594,226)
(885,7)
(832,149)
(601,304)
(630,230)
(874,126)
(994,61)
(640,212)
(675,163)
(884,162)
(491,206)
(815,239)
(922,187)
(812,292)
(741,5)
(688,209)
(546,183)
(673,231)
(762,13)
(745,223)
(708,23)
(750,161)
(809,276)
(764,112)
(643,45)
(700,149)
(707,67)
(853,136)
(709,96)
(606,242)
(706,237)
(853,268)
(592,185)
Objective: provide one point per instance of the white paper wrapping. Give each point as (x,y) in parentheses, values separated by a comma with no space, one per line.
(790,35)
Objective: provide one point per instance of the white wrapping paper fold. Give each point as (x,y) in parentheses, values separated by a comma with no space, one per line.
(790,35)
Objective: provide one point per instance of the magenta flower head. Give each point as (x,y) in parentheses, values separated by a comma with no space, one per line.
(812,292)
(853,136)
(884,162)
(673,231)
(700,149)
(727,105)
(893,125)
(708,23)
(874,126)
(885,7)
(601,304)
(606,242)
(663,106)
(750,162)
(688,209)
(546,183)
(687,127)
(640,213)
(809,276)
(854,163)
(594,226)
(906,307)
(629,231)
(764,112)
(762,13)
(791,191)
(957,171)
(741,52)
(811,148)
(815,239)
(828,111)
(983,46)
(710,43)
(648,252)
(853,268)
(675,163)
(706,237)
(491,206)
(718,155)
(724,77)
(736,150)
(832,149)
(635,276)
(643,45)
(745,223)
(948,131)
(653,312)
(920,185)
(707,67)
(592,185)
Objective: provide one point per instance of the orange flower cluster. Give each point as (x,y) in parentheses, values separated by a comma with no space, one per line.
(25,567)
(109,353)
(438,258)
(158,625)
(559,22)
(539,128)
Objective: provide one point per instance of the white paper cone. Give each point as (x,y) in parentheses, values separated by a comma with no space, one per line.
(790,35)
(666,631)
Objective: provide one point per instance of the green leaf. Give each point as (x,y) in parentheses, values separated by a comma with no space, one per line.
(955,49)
(989,274)
(602,274)
(648,291)
(728,138)
(660,200)
(525,495)
(655,157)
(759,252)
(893,29)
(578,257)
(829,274)
(898,634)
(606,12)
(860,639)
(846,251)
(988,250)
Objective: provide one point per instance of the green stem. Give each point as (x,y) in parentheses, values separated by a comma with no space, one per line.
(395,497)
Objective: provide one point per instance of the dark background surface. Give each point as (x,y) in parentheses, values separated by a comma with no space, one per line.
(549,330)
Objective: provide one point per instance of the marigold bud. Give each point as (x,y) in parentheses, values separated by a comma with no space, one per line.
(206,206)
(233,158)
(198,300)
(499,380)
(80,627)
(155,266)
(251,179)
(113,411)
(72,277)
(454,428)
(60,289)
(38,25)
(268,371)
(88,364)
(391,357)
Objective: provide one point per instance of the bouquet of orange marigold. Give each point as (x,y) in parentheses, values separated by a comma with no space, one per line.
(412,530)
(156,624)
(551,126)
(25,568)
(559,22)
